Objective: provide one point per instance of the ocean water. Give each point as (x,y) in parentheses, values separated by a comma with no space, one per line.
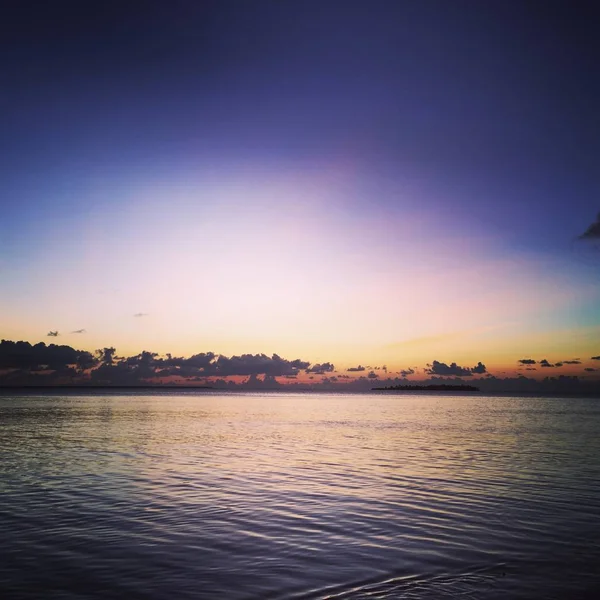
(289,496)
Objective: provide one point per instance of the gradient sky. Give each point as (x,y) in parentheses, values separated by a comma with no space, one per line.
(355,182)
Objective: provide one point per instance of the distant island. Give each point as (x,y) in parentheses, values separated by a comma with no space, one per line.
(435,387)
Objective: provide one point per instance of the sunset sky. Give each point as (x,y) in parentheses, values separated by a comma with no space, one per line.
(354,182)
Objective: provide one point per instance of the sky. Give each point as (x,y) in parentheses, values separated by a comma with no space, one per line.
(351,183)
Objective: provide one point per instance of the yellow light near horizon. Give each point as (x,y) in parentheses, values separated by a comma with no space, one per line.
(231,268)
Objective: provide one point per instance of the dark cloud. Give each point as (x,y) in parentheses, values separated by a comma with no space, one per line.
(115,374)
(209,364)
(109,369)
(85,360)
(595,357)
(440,368)
(256,364)
(106,355)
(22,355)
(545,363)
(254,382)
(52,334)
(24,364)
(530,369)
(356,369)
(140,314)
(78,331)
(141,366)
(593,231)
(201,361)
(320,369)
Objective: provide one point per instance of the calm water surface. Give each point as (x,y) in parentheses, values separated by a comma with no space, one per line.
(202,495)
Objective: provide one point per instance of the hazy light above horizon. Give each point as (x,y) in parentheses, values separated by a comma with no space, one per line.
(354,184)
(301,265)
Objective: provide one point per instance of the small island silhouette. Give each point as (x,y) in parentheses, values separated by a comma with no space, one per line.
(434,387)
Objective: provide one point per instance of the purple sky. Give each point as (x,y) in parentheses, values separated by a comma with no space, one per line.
(345,181)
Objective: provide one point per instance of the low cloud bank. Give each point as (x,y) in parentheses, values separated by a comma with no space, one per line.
(440,368)
(22,363)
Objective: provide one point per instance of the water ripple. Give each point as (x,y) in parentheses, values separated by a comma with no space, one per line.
(299,496)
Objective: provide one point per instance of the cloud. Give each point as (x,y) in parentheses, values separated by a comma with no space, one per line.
(78,331)
(254,382)
(203,361)
(24,364)
(320,369)
(440,368)
(115,374)
(593,231)
(106,355)
(545,363)
(595,357)
(356,369)
(255,364)
(22,355)
(203,366)
(530,369)
(140,314)
(144,358)
(52,334)
(209,364)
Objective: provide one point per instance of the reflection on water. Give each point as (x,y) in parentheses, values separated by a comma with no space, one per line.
(202,495)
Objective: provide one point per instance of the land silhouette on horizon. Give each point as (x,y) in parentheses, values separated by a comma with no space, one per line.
(434,387)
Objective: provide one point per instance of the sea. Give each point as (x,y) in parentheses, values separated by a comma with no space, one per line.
(204,494)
